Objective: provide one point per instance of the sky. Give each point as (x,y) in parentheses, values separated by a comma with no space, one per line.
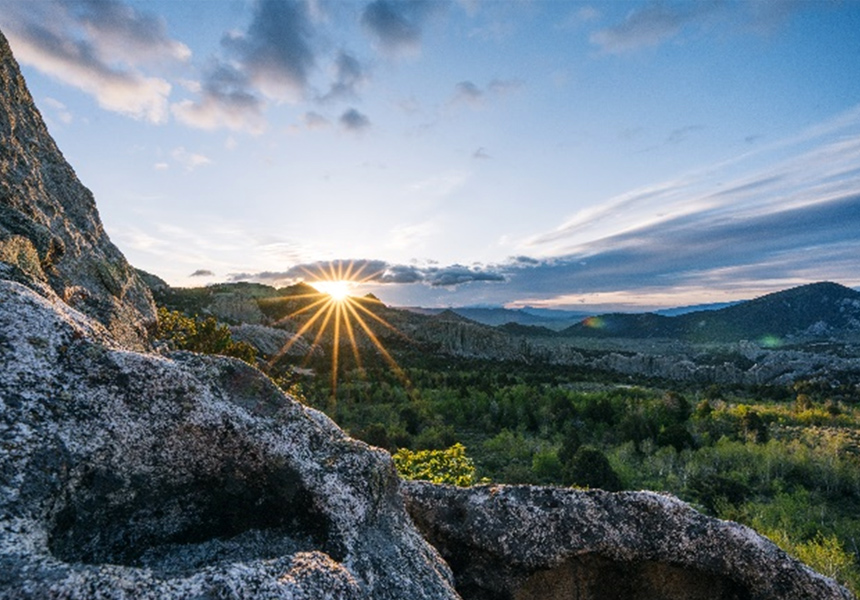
(579,155)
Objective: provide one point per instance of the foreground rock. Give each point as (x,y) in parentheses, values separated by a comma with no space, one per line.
(127,475)
(50,230)
(520,542)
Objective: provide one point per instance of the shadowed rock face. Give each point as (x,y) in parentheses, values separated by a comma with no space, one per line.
(533,543)
(138,475)
(50,232)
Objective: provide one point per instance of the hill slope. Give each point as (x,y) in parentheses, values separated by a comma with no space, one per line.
(817,310)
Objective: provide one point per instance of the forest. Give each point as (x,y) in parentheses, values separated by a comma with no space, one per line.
(784,460)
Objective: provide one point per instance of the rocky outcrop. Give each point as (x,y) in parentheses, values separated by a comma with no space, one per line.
(520,542)
(271,341)
(183,476)
(51,236)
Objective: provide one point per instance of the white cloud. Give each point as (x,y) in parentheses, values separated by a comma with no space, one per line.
(60,110)
(97,47)
(126,92)
(211,113)
(189,160)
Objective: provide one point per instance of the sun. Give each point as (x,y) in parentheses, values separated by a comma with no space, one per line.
(339,289)
(333,309)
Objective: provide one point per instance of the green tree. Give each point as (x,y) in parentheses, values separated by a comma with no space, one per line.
(450,466)
(589,467)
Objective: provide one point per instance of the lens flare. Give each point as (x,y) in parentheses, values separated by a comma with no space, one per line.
(339,289)
(333,310)
(594,323)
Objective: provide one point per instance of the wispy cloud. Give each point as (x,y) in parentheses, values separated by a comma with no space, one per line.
(729,225)
(99,47)
(271,60)
(349,77)
(276,52)
(226,100)
(651,25)
(189,160)
(657,23)
(314,120)
(469,93)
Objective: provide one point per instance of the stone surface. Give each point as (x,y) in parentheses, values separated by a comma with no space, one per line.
(271,341)
(522,542)
(50,231)
(136,475)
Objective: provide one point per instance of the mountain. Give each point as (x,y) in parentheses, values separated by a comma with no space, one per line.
(496,316)
(817,310)
(682,310)
(50,232)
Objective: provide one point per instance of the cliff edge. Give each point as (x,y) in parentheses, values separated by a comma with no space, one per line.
(51,236)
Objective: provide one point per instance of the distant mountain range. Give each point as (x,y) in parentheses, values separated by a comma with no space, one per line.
(815,310)
(804,332)
(552,319)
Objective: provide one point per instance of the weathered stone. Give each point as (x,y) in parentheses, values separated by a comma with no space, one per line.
(271,341)
(50,231)
(137,475)
(521,542)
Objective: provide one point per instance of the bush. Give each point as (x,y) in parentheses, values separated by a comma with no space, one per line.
(201,335)
(450,466)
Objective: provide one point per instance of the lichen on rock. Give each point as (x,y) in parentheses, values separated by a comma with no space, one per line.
(136,473)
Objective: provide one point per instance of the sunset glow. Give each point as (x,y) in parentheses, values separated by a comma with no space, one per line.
(339,290)
(335,312)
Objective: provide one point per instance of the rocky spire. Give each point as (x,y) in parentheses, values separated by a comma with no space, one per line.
(51,237)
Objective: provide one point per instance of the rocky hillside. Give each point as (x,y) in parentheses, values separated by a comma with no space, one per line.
(50,230)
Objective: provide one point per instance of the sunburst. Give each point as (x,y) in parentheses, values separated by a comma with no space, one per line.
(335,311)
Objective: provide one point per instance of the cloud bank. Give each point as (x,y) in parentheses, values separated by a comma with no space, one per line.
(376,272)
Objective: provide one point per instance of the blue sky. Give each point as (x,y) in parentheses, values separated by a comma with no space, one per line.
(602,155)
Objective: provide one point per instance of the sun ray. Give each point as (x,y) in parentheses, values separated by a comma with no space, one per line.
(296,336)
(391,362)
(381,321)
(334,314)
(322,300)
(338,307)
(351,334)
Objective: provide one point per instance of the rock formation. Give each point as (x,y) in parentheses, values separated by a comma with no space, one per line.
(136,475)
(50,230)
(534,543)
(124,474)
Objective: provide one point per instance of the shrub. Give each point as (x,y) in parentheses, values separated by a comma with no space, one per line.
(201,335)
(450,466)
